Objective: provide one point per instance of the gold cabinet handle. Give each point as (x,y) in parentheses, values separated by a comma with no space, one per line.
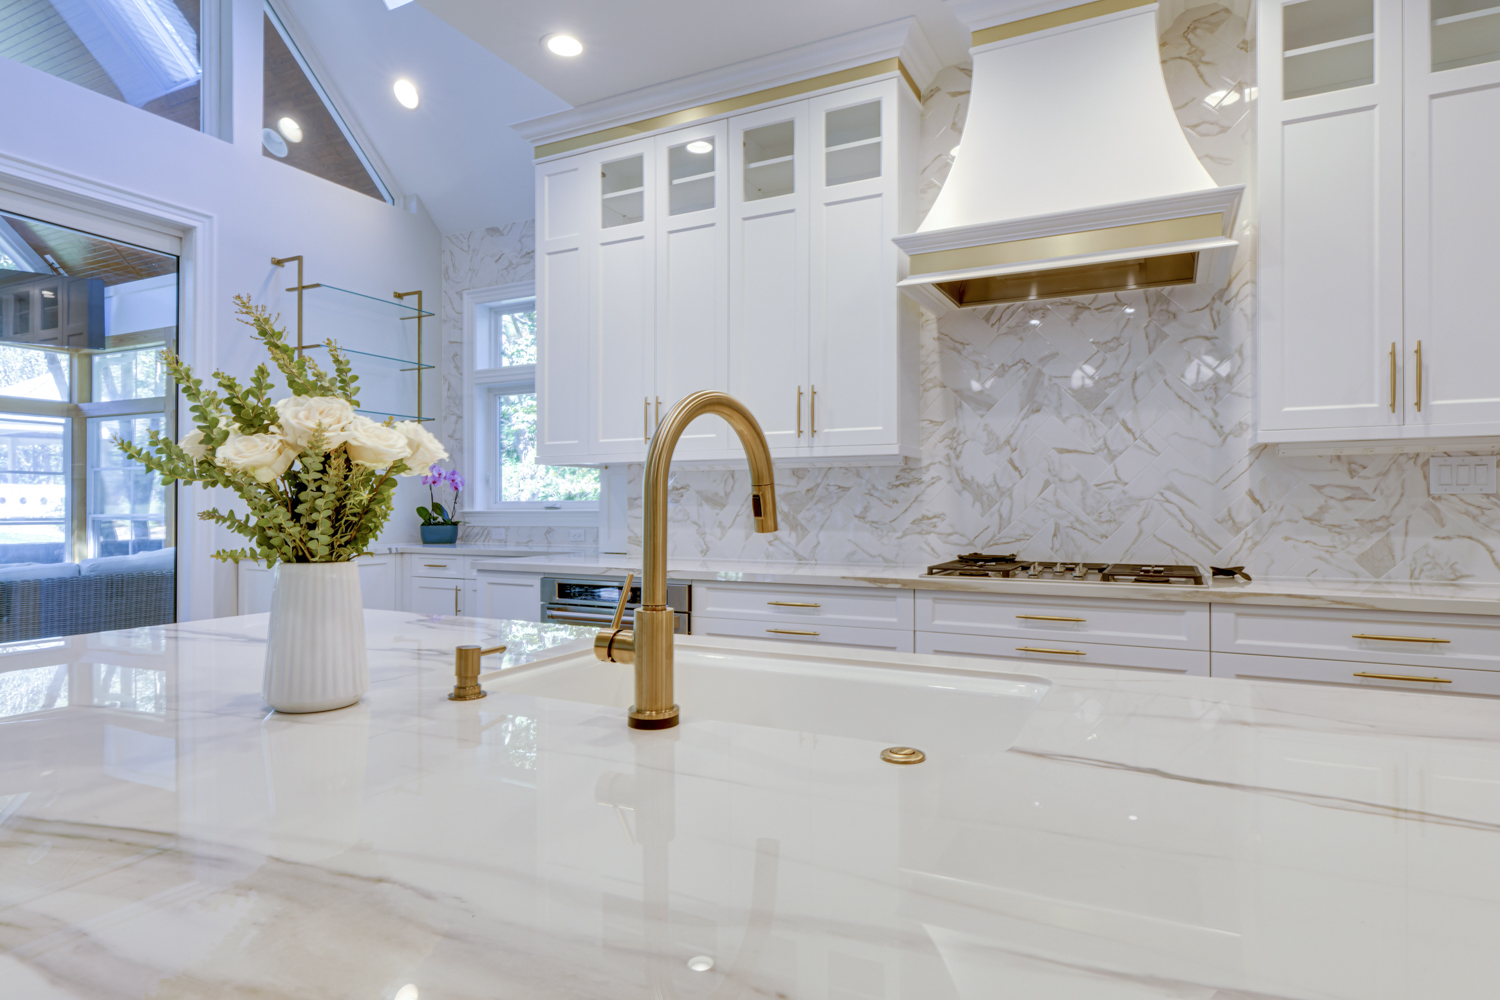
(1393,376)
(1419,376)
(792,604)
(455,602)
(646,422)
(1398,638)
(1404,677)
(658,411)
(1039,649)
(789,631)
(1050,618)
(799,411)
(435,565)
(812,413)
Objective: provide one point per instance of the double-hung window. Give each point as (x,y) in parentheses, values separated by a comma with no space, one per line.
(507,479)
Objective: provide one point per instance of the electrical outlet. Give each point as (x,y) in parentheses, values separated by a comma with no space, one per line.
(1461,475)
(575,534)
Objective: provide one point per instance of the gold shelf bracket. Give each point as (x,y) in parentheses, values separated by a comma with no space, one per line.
(299,288)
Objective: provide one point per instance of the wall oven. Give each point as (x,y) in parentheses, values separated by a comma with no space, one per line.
(591,600)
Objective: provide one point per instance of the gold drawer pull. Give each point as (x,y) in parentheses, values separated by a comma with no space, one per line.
(789,631)
(1050,618)
(1039,649)
(436,565)
(1403,677)
(792,604)
(1397,638)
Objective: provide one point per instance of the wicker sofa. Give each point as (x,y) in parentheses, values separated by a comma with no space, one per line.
(40,600)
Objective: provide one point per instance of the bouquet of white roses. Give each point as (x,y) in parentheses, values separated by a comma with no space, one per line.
(316,476)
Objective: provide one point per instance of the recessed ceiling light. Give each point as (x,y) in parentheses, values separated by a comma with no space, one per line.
(563,45)
(700,146)
(272,140)
(406,93)
(290,129)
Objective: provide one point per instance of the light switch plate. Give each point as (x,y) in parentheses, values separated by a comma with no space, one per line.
(1461,475)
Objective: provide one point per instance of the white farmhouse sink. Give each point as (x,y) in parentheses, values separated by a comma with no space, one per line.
(939,704)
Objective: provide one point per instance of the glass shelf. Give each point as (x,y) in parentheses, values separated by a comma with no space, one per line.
(1464,33)
(367,354)
(396,305)
(1327,45)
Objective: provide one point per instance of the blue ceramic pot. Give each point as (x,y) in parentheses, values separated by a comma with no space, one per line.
(439,534)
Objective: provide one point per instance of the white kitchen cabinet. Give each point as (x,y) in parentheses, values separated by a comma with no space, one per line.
(435,596)
(768,268)
(510,596)
(1375,221)
(1059,649)
(691,338)
(892,640)
(751,253)
(804,606)
(1044,620)
(1375,638)
(564,199)
(1452,129)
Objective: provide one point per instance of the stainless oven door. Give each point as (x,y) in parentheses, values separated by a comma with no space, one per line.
(590,601)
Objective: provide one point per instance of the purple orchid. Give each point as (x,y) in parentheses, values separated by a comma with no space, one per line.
(437,514)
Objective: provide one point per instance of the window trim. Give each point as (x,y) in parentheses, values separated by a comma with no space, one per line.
(480,387)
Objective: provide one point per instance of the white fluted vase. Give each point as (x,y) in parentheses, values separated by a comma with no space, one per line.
(315,650)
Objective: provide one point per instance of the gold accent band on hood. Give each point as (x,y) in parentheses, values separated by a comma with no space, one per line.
(689,115)
(1041,248)
(1054,19)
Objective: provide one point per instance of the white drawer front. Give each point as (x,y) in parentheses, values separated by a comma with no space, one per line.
(1437,680)
(861,607)
(440,566)
(1063,650)
(1459,641)
(1162,624)
(817,633)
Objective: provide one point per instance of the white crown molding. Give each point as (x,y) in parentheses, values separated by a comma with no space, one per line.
(1176,206)
(900,38)
(977,15)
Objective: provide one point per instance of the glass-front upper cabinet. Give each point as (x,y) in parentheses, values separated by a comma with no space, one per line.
(851,144)
(691,173)
(1327,45)
(769,152)
(623,191)
(1464,33)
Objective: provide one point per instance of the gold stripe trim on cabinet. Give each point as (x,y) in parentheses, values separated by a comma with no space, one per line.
(1054,19)
(1398,638)
(1404,677)
(730,104)
(1139,234)
(1038,649)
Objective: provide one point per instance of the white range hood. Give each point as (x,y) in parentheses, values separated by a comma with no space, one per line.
(1073,176)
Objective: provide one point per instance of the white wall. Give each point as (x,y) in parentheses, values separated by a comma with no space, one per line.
(236,209)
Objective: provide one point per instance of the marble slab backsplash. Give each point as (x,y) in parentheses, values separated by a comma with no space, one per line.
(1109,427)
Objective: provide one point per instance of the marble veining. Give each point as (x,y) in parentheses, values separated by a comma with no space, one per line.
(1110,427)
(163,837)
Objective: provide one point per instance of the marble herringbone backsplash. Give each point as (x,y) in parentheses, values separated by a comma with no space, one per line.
(1112,427)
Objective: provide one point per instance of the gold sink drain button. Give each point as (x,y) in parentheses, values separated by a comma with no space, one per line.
(902,755)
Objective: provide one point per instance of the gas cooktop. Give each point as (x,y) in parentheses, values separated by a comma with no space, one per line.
(979,564)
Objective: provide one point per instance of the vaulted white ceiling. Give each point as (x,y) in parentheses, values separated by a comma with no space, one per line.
(629,44)
(456,151)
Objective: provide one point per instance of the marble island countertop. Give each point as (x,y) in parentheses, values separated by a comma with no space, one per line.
(1412,596)
(162,836)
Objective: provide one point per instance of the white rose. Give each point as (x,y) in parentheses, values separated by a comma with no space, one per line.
(375,445)
(301,416)
(194,446)
(265,456)
(426,450)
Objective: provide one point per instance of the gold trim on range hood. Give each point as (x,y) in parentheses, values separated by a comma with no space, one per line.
(1092,241)
(1067,282)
